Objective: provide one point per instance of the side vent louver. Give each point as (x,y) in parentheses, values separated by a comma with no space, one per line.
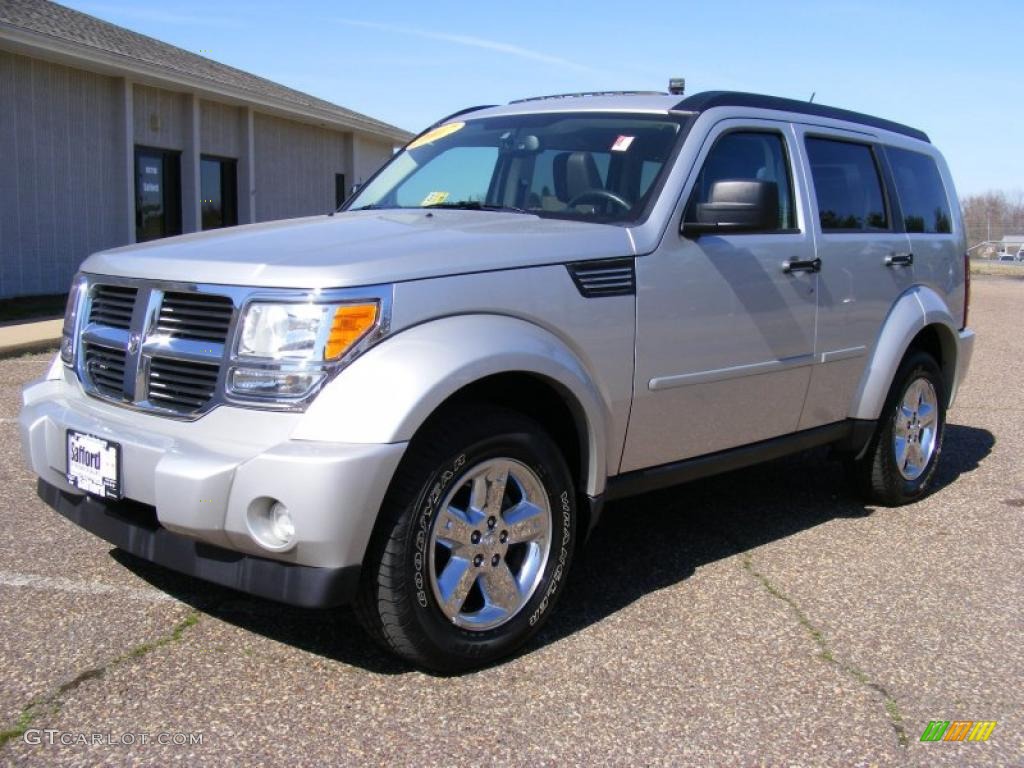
(608,277)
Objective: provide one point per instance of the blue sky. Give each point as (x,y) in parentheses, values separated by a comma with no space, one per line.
(954,69)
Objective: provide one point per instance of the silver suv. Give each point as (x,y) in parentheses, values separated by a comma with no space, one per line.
(420,403)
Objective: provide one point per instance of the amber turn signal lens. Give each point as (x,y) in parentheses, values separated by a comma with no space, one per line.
(351,321)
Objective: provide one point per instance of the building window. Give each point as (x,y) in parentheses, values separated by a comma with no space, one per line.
(340,193)
(218,189)
(157,193)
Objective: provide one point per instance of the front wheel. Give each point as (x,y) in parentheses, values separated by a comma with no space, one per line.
(474,542)
(901,458)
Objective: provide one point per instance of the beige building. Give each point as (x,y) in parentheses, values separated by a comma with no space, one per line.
(109,137)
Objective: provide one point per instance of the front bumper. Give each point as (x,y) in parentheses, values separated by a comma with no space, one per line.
(201,477)
(134,528)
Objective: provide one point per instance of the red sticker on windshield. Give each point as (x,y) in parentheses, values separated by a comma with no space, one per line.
(622,143)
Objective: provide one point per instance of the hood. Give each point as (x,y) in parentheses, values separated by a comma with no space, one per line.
(363,248)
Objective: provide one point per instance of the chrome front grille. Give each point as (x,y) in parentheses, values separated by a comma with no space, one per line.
(112,305)
(157,347)
(182,385)
(198,316)
(167,347)
(105,368)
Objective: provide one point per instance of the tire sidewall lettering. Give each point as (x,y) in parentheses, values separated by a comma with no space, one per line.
(563,559)
(426,515)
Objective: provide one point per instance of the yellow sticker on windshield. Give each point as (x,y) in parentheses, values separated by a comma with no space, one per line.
(438,133)
(434,198)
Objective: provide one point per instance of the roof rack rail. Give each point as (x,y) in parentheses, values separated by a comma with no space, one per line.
(701,102)
(589,93)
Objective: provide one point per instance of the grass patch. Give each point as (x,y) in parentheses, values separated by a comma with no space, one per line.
(52,702)
(997,268)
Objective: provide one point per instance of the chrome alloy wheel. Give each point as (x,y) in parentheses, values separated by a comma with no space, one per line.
(916,428)
(489,544)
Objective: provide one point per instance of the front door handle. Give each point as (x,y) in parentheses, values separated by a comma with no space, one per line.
(801,265)
(899,260)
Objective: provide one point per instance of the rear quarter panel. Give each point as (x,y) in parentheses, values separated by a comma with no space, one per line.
(939,258)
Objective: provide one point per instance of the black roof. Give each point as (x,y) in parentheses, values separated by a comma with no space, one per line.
(700,102)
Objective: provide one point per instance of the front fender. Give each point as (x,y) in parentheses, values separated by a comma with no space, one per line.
(918,307)
(387,393)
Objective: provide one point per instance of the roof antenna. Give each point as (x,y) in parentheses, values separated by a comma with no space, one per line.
(811,100)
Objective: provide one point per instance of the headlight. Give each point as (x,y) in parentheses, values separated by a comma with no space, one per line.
(303,332)
(286,349)
(68,340)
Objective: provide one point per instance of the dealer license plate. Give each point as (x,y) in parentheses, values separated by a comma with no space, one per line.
(94,465)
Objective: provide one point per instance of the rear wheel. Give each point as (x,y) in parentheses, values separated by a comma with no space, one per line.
(474,542)
(901,458)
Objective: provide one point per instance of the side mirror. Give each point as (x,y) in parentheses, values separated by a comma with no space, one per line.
(736,206)
(356,187)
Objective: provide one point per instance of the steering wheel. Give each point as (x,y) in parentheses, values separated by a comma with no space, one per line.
(599,195)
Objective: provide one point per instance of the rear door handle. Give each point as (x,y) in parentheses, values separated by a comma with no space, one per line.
(899,260)
(801,265)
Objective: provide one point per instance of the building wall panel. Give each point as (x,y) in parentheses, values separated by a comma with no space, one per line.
(62,195)
(66,176)
(161,118)
(295,167)
(370,155)
(220,129)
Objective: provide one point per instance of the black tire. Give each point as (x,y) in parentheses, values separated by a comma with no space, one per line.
(876,474)
(396,602)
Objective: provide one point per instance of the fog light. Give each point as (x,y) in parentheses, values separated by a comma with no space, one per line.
(271,525)
(281,524)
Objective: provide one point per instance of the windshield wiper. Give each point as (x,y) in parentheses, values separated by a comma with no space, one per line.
(476,205)
(370,207)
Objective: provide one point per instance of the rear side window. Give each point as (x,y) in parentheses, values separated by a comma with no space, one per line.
(922,194)
(847,185)
(747,156)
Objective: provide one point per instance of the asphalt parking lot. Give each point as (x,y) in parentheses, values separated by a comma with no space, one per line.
(761,618)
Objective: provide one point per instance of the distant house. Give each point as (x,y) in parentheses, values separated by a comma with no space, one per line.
(109,137)
(1011,244)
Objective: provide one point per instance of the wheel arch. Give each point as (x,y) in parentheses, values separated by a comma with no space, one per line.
(919,319)
(940,342)
(549,404)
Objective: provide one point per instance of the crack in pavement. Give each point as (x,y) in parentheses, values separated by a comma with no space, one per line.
(826,654)
(51,703)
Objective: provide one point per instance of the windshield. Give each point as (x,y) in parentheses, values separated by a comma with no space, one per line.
(584,166)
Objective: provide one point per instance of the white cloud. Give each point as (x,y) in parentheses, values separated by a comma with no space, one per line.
(471,42)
